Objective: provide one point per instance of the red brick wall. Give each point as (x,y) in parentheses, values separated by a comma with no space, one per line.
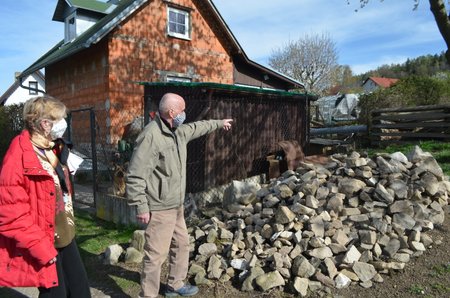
(138,50)
(81,81)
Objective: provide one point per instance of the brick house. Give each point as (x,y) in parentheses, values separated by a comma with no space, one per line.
(110,46)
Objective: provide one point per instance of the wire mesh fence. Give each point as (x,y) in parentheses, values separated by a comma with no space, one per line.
(261,120)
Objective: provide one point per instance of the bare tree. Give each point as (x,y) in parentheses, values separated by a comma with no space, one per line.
(441,15)
(311,60)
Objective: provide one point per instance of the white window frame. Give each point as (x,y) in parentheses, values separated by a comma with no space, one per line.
(187,23)
(172,78)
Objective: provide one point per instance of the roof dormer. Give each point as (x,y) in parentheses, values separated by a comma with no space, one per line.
(79,15)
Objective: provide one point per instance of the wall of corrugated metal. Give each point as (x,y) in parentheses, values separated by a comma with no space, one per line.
(261,120)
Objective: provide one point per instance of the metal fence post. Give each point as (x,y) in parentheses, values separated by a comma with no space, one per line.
(69,127)
(94,154)
(147,108)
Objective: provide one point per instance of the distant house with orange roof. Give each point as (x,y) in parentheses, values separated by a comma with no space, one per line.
(373,83)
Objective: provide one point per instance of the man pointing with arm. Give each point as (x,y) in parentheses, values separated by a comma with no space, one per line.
(156,183)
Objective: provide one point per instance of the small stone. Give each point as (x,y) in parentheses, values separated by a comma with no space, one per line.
(342,281)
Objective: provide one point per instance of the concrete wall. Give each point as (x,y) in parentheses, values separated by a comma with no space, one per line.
(115,209)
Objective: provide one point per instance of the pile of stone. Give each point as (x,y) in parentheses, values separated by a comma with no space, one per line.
(323,226)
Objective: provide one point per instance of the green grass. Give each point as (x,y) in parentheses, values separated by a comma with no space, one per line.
(439,150)
(440,270)
(441,288)
(417,289)
(95,235)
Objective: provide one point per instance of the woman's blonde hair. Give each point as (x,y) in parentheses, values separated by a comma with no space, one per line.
(42,107)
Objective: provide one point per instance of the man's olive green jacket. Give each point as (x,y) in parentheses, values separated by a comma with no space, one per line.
(156,177)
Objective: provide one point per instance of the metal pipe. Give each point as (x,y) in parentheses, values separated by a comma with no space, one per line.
(339,130)
(94,155)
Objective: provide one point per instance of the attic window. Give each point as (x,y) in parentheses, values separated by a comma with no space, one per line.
(33,88)
(178,23)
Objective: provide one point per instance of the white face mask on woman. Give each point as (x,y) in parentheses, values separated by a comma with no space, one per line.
(58,129)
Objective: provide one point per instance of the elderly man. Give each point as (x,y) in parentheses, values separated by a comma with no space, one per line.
(156,182)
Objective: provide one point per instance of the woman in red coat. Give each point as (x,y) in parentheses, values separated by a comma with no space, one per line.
(37,231)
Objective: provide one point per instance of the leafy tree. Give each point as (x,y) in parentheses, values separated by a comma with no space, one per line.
(11,124)
(311,60)
(344,81)
(441,15)
(411,91)
(428,65)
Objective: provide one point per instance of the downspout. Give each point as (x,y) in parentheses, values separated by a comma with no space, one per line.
(28,88)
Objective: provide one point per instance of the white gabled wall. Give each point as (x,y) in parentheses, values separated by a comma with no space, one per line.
(75,24)
(21,95)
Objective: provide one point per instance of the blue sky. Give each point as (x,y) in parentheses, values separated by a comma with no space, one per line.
(381,33)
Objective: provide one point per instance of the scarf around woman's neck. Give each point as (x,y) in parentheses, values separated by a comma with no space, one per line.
(44,147)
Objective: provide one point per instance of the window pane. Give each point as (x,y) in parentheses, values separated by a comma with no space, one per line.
(181,18)
(172,27)
(172,16)
(181,29)
(33,85)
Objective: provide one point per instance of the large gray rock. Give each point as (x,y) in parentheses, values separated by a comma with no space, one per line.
(249,283)
(240,192)
(349,186)
(301,267)
(270,280)
(342,281)
(207,249)
(301,286)
(284,215)
(138,240)
(214,268)
(364,271)
(112,254)
(133,256)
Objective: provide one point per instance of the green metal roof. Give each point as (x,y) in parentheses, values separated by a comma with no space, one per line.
(228,87)
(92,5)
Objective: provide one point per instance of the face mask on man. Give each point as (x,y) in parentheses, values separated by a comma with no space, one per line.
(179,119)
(58,129)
